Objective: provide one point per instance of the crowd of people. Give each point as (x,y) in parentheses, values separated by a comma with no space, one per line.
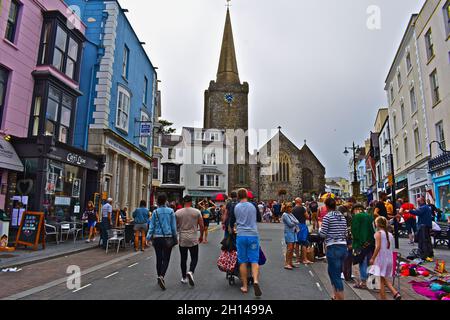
(347,234)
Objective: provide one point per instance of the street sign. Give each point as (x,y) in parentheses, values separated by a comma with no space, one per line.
(145,129)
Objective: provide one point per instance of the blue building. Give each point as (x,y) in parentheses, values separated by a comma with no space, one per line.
(119,85)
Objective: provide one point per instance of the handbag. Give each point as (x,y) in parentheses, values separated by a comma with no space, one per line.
(303,234)
(169,242)
(262,257)
(227,261)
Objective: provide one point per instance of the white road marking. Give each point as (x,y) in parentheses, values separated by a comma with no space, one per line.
(134,264)
(88,285)
(318,286)
(311,273)
(112,274)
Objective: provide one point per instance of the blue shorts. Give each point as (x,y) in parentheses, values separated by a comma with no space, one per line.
(247,249)
(92,224)
(290,237)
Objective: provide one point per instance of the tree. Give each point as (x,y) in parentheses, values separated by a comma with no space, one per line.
(166,127)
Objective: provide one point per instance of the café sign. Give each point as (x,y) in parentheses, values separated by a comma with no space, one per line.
(75,159)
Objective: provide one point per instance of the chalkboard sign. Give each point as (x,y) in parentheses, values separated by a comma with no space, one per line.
(31,230)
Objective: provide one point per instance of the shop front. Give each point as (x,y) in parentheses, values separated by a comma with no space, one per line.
(401,186)
(440,170)
(57,179)
(419,182)
(10,165)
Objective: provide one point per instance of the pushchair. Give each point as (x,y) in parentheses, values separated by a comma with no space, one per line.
(229,258)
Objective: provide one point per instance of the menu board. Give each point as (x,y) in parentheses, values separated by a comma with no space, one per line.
(31,230)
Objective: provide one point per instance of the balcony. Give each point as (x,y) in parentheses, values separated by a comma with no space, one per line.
(440,162)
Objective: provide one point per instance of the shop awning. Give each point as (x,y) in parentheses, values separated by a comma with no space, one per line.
(8,157)
(397,192)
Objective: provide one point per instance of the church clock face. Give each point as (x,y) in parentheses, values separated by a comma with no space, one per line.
(229,98)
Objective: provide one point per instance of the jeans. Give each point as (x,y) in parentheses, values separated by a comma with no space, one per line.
(162,256)
(363,268)
(184,256)
(336,255)
(104,231)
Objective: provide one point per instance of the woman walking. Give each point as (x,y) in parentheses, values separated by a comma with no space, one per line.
(334,230)
(92,219)
(291,230)
(382,259)
(162,232)
(140,216)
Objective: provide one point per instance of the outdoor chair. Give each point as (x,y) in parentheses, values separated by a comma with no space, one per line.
(441,238)
(51,231)
(70,228)
(115,237)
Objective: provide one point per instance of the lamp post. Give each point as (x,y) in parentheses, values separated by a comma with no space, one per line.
(355,183)
(393,189)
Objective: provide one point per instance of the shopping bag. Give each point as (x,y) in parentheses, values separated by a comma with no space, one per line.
(303,235)
(227,261)
(262,258)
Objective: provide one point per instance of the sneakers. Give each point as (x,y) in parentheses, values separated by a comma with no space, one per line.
(190,277)
(161,283)
(184,281)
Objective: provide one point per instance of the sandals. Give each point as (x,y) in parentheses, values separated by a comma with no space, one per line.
(360,286)
(258,292)
(244,291)
(288,268)
(398,296)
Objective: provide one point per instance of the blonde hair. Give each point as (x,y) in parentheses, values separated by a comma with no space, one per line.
(382,223)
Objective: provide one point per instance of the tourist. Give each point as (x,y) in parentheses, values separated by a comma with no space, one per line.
(389,209)
(436,213)
(314,209)
(424,227)
(162,231)
(380,208)
(346,210)
(410,219)
(124,215)
(334,230)
(189,222)
(267,217)
(323,211)
(106,221)
(363,243)
(206,214)
(382,259)
(302,236)
(276,212)
(92,218)
(291,229)
(141,216)
(229,219)
(247,241)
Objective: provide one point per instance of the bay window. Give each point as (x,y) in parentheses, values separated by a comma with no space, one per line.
(209,180)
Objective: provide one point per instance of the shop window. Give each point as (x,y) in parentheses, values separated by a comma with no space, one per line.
(11,23)
(4,74)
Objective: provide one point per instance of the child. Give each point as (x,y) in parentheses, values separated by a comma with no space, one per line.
(382,259)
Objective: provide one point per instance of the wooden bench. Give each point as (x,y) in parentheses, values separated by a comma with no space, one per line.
(441,238)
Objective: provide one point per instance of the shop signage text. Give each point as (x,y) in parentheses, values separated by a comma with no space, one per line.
(75,159)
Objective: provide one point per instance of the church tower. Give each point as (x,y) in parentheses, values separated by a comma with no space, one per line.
(226,107)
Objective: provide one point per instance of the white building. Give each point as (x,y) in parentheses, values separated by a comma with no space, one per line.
(408,117)
(384,165)
(433,38)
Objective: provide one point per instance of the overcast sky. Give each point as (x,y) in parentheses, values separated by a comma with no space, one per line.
(313,67)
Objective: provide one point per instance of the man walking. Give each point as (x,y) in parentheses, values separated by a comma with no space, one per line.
(189,220)
(106,221)
(247,241)
(300,214)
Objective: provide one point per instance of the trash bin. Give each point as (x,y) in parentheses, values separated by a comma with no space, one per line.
(4,229)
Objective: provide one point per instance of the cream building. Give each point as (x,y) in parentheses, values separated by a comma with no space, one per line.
(432,33)
(408,117)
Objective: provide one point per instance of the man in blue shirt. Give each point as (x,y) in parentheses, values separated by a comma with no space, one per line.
(425,225)
(247,240)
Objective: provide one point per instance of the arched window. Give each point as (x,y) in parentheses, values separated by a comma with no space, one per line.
(307,178)
(280,169)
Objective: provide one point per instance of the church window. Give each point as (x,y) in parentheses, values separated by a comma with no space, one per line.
(242,175)
(281,169)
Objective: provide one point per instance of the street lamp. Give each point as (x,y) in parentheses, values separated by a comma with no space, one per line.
(355,183)
(440,147)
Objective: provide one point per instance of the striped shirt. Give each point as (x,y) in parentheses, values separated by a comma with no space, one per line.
(334,229)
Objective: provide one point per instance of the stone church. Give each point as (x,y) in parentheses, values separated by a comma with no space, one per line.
(297,171)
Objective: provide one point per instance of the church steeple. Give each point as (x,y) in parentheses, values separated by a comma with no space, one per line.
(228,70)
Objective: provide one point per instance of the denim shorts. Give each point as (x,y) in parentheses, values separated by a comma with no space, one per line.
(290,237)
(247,249)
(336,255)
(91,224)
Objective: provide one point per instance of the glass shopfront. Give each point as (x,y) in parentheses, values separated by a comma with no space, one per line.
(62,197)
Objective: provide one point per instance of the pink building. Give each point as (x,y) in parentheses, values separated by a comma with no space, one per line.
(22,40)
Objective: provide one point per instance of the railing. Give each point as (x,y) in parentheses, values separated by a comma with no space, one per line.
(439,162)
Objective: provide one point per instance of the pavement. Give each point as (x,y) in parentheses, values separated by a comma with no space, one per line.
(131,275)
